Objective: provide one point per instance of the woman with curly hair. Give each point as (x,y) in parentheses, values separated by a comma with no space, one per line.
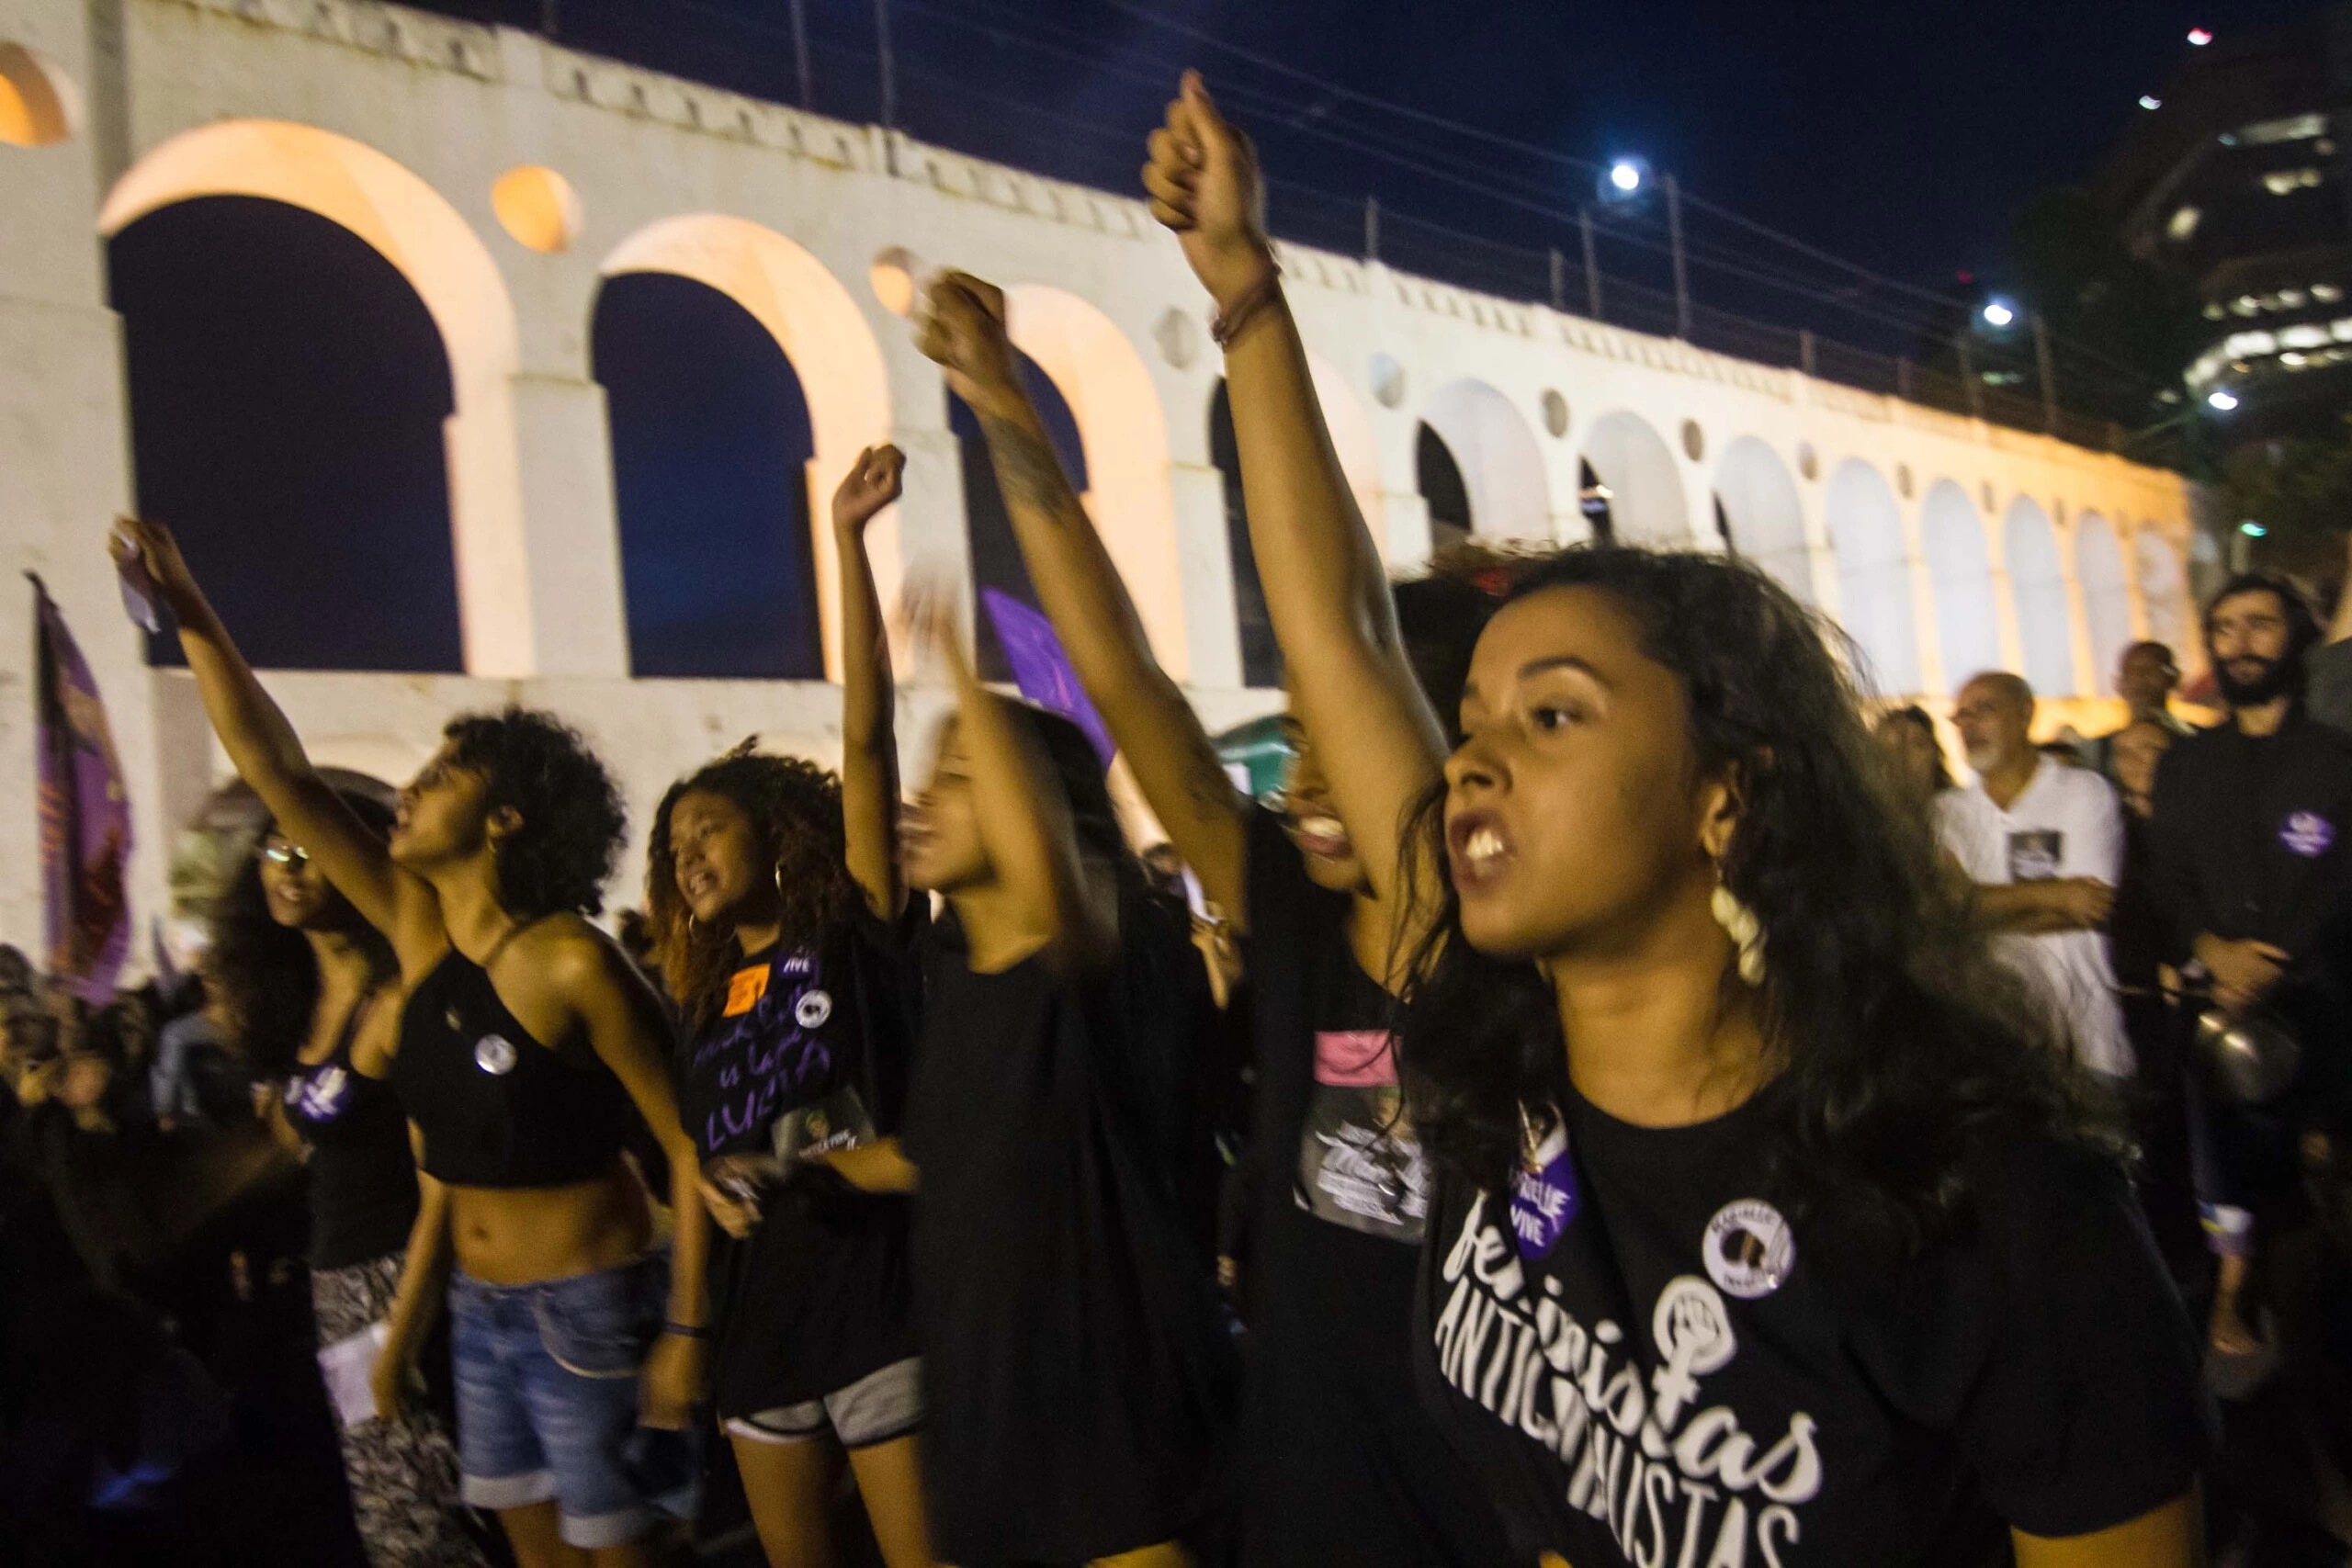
(1767,1226)
(796,1049)
(315,994)
(528,1047)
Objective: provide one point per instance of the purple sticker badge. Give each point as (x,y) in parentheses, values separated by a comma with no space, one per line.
(2307,833)
(1543,1188)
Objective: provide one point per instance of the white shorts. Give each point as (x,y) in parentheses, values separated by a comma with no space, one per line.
(878,1407)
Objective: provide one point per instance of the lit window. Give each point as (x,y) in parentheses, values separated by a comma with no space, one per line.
(2326,293)
(2325,147)
(2214,312)
(2313,336)
(2340,330)
(2239,345)
(2286,182)
(2292,298)
(2183,223)
(2294,128)
(2245,305)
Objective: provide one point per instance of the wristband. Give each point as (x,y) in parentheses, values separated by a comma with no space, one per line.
(686,1331)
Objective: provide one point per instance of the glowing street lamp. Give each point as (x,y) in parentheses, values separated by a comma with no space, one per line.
(2000,313)
(2221,399)
(2199,38)
(2252,529)
(1625,176)
(2150,101)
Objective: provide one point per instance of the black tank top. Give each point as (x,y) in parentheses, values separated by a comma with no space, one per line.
(363,1178)
(496,1107)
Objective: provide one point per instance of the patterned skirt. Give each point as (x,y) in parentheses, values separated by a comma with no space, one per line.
(404,1474)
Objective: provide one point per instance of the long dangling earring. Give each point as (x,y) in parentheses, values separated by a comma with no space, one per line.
(1740,924)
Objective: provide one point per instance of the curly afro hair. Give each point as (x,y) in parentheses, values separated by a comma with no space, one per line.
(268,974)
(794,807)
(572,817)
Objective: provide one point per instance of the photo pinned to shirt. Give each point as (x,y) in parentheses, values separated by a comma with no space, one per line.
(1748,1248)
(1359,1164)
(2036,854)
(2307,833)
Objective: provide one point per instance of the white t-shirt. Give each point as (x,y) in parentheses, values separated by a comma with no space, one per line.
(2064,823)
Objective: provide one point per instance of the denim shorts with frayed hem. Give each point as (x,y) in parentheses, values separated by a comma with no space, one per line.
(547,1378)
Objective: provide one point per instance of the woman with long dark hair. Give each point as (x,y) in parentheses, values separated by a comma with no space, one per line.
(1770,1227)
(1073,1364)
(529,1048)
(797,1043)
(314,991)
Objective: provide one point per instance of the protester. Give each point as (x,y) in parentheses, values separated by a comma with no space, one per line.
(776,952)
(1907,736)
(2043,840)
(2145,676)
(2327,669)
(2250,861)
(1340,1463)
(315,994)
(1071,1352)
(1763,1113)
(528,1047)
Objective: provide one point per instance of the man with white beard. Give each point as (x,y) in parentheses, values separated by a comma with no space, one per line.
(2043,842)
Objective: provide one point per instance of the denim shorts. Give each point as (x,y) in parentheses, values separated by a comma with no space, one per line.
(547,1378)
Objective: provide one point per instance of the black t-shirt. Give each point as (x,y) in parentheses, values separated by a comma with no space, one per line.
(1345,1464)
(1073,1364)
(1676,1381)
(808,1049)
(2250,836)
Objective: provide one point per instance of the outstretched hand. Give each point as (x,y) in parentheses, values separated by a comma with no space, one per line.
(152,545)
(873,483)
(1202,180)
(962,328)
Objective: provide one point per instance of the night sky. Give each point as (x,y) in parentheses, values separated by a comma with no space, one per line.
(287,400)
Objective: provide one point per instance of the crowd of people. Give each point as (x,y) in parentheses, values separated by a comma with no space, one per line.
(1608,1109)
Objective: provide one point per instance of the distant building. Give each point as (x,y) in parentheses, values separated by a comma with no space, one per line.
(2236,179)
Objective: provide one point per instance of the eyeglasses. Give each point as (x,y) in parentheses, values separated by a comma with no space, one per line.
(292,856)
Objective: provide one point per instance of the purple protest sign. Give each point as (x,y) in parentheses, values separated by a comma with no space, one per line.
(85,815)
(1041,669)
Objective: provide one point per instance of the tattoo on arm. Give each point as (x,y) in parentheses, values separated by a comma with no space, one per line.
(1027,468)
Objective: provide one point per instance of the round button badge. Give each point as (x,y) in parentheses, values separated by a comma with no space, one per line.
(813,1009)
(495,1055)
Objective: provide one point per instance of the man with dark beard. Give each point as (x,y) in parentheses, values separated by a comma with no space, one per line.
(2250,858)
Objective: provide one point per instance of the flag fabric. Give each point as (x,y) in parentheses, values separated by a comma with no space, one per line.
(84,816)
(1041,669)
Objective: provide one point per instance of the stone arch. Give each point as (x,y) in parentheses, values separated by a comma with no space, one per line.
(1501,467)
(1646,505)
(1124,434)
(2107,597)
(1350,423)
(1968,616)
(445,261)
(2163,597)
(1762,514)
(40,106)
(824,335)
(2038,589)
(1873,575)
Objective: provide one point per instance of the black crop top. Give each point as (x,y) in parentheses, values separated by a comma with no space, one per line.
(363,1179)
(497,1108)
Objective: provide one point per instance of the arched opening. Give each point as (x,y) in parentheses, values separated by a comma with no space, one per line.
(1350,423)
(2107,597)
(1761,516)
(39,106)
(1495,453)
(2038,589)
(1873,576)
(1262,661)
(1439,478)
(287,390)
(1592,503)
(710,449)
(1968,619)
(1123,434)
(997,561)
(419,234)
(1646,505)
(2163,597)
(826,344)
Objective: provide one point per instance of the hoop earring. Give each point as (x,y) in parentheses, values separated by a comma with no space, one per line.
(1740,924)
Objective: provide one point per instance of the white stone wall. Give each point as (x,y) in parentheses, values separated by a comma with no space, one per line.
(397,124)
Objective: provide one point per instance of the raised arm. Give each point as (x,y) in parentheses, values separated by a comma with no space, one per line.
(1174,762)
(1022,813)
(1350,681)
(869,728)
(269,756)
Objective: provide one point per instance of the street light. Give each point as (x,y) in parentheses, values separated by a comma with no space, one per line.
(2150,101)
(2221,399)
(2199,37)
(2000,313)
(1625,176)
(2252,529)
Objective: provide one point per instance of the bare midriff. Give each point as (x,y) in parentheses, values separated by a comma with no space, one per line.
(522,1235)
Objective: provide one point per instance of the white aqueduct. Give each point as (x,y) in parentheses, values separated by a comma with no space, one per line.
(505,177)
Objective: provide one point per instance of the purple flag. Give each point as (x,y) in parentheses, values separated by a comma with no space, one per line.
(84,816)
(1041,669)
